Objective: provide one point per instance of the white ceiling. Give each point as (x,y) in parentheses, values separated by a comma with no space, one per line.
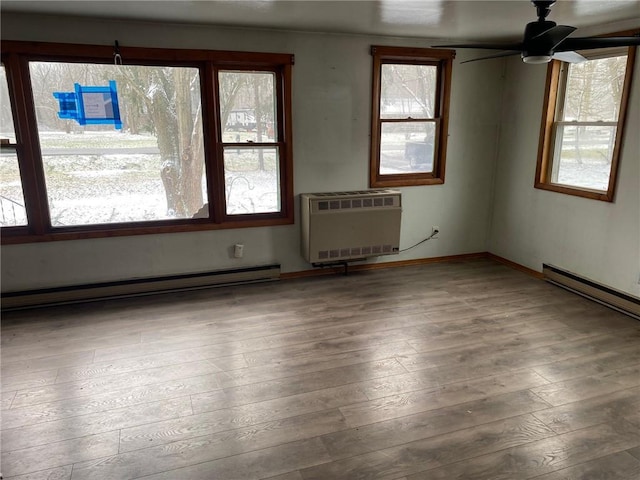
(446,19)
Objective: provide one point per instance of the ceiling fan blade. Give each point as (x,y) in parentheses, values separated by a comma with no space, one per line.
(488,46)
(551,38)
(497,55)
(569,57)
(588,43)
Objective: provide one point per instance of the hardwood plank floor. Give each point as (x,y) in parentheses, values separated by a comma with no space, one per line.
(459,370)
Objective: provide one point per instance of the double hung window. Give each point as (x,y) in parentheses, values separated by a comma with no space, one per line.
(583,124)
(411,88)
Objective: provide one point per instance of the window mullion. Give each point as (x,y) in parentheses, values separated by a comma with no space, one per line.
(213,147)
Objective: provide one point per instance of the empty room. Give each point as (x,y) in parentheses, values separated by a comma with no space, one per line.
(296,240)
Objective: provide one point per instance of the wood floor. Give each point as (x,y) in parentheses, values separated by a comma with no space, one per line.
(462,370)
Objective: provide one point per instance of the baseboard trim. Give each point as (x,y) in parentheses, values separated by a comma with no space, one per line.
(137,287)
(320,271)
(155,285)
(516,266)
(595,291)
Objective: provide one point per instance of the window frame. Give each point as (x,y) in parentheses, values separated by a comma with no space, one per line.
(277,142)
(16,147)
(16,56)
(443,60)
(554,94)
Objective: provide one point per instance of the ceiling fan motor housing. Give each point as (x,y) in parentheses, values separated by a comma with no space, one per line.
(535,45)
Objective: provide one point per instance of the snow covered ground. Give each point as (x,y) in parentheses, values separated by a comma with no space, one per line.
(87,184)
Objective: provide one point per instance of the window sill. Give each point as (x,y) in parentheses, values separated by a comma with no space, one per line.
(18,235)
(576,192)
(394,181)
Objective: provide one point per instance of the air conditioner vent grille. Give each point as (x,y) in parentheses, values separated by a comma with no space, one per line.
(375,202)
(355,252)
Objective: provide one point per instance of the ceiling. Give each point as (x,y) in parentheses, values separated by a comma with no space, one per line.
(446,19)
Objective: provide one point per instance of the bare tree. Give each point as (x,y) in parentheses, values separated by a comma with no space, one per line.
(164,96)
(594,90)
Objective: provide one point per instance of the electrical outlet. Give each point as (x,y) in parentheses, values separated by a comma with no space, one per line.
(238,250)
(435,230)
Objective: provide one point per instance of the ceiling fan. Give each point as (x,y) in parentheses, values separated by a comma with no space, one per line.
(544,40)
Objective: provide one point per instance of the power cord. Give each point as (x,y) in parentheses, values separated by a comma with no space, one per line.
(433,234)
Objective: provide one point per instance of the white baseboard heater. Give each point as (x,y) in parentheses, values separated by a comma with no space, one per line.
(137,287)
(608,296)
(344,226)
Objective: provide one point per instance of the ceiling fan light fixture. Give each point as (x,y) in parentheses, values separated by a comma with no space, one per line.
(536,59)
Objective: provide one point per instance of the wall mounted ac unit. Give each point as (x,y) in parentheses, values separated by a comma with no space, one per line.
(343,226)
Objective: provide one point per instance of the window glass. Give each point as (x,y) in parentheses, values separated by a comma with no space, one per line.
(252,180)
(151,167)
(12,209)
(407,147)
(586,131)
(583,156)
(408,91)
(7,131)
(247,111)
(594,89)
(247,106)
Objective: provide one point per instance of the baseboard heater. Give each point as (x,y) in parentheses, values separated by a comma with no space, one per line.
(136,287)
(608,296)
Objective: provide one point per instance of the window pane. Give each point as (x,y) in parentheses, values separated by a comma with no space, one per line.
(407,147)
(6,119)
(583,156)
(252,180)
(12,211)
(152,168)
(594,90)
(408,91)
(247,106)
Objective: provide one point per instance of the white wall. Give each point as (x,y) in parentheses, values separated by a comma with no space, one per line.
(331,115)
(598,240)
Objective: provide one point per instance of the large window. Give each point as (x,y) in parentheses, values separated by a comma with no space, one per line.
(583,123)
(162,141)
(411,89)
